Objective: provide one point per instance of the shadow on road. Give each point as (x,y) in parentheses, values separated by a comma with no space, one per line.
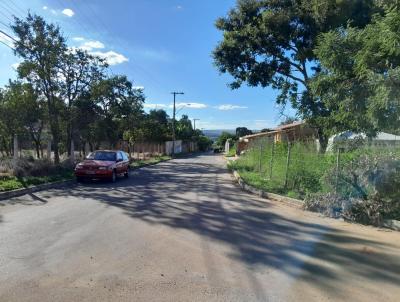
(193,196)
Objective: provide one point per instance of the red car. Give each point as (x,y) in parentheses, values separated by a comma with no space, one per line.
(103,165)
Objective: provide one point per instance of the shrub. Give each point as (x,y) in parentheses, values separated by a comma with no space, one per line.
(328,204)
(41,167)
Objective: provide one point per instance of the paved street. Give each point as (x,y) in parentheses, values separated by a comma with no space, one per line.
(182,231)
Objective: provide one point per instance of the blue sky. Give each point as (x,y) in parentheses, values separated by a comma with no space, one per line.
(161,45)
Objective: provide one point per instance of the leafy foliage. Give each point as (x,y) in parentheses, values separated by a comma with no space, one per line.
(271,43)
(242,131)
(224,137)
(359,82)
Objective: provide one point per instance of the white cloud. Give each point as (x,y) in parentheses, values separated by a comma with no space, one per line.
(189,105)
(54,12)
(179,7)
(111,57)
(15,65)
(68,12)
(45,7)
(230,107)
(154,106)
(90,45)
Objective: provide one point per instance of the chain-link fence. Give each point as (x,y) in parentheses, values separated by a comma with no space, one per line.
(351,171)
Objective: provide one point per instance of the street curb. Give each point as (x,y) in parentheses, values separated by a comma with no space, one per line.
(19,192)
(296,203)
(53,185)
(149,164)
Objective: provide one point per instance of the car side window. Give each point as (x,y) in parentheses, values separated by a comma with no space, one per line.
(119,156)
(124,156)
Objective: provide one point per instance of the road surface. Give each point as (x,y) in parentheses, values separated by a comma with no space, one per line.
(183,231)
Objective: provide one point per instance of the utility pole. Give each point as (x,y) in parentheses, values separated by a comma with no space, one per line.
(173,121)
(194,123)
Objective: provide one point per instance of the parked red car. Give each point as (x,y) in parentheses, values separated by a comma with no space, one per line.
(103,165)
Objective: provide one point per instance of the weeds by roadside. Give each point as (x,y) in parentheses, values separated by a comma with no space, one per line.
(30,172)
(361,182)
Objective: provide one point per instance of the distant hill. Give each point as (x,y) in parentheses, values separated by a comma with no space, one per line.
(213,134)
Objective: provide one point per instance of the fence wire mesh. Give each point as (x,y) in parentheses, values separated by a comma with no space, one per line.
(299,168)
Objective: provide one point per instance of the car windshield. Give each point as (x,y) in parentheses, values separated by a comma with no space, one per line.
(102,155)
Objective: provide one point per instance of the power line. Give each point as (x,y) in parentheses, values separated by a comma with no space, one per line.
(6,34)
(6,44)
(12,13)
(18,7)
(115,42)
(6,16)
(5,24)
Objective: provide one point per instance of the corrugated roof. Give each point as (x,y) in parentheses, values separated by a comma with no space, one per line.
(277,130)
(294,124)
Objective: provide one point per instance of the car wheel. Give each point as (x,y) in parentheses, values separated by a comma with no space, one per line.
(114,176)
(126,174)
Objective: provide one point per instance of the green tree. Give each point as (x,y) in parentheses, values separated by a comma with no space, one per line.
(184,129)
(224,137)
(203,142)
(360,78)
(22,112)
(242,131)
(80,72)
(121,107)
(271,43)
(41,46)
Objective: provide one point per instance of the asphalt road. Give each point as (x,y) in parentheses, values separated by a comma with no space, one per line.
(182,231)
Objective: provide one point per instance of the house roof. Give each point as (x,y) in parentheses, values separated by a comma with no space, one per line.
(281,128)
(291,125)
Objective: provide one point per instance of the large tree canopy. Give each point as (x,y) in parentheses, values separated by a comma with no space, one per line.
(271,43)
(360,78)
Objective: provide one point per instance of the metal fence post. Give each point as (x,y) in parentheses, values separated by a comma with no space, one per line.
(287,165)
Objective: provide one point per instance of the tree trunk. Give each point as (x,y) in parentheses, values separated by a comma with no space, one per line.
(69,139)
(323,141)
(54,128)
(37,150)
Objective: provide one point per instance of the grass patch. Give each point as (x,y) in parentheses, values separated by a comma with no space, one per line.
(153,160)
(265,166)
(8,183)
(232,151)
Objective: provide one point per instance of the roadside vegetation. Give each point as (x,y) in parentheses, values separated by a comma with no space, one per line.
(337,64)
(66,100)
(359,182)
(31,172)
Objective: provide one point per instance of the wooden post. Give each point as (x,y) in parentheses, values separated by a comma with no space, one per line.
(337,169)
(272,159)
(287,165)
